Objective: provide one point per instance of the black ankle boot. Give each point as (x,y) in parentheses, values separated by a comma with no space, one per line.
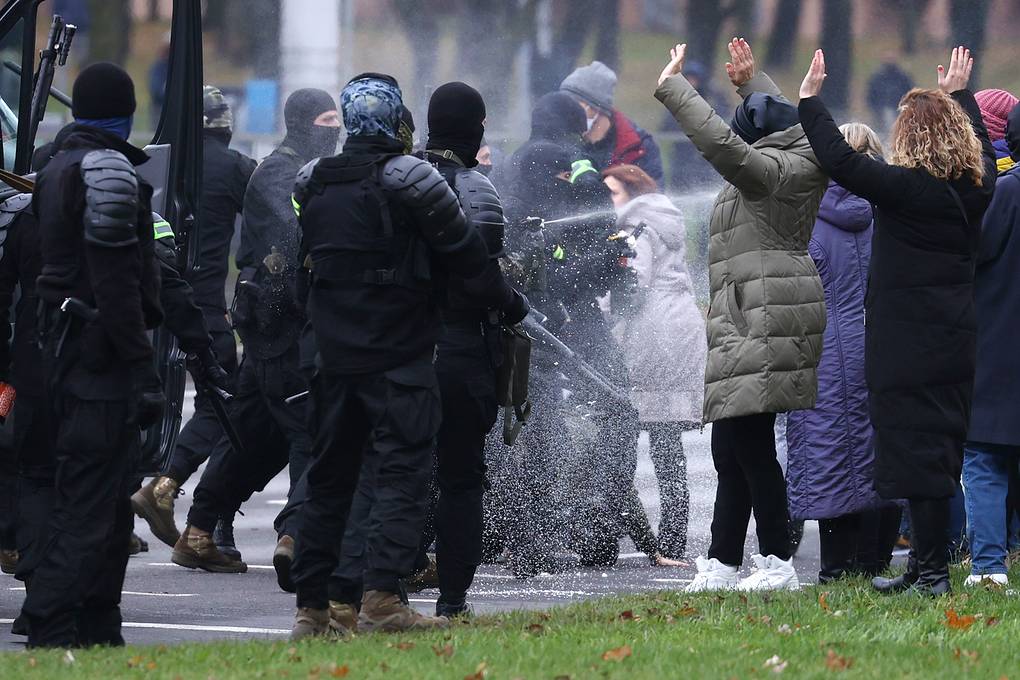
(904,581)
(838,541)
(930,528)
(453,608)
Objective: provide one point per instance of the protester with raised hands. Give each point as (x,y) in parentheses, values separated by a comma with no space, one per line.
(767,311)
(920,345)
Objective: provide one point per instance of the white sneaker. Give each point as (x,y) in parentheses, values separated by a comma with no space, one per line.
(712,575)
(770,573)
(993,580)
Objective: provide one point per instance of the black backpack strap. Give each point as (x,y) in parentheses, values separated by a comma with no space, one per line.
(959,204)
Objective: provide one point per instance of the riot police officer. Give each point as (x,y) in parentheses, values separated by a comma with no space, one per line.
(99,287)
(378,228)
(225,176)
(468,351)
(269,319)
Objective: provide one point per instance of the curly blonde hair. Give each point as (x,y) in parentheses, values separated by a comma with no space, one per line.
(933,132)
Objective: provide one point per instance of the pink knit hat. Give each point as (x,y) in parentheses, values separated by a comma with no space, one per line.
(995,106)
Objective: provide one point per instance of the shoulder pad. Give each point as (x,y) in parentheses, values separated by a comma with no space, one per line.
(303,185)
(9,210)
(160,227)
(483,209)
(111,199)
(417,183)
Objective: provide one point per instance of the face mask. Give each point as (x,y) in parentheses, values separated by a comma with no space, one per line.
(591,122)
(324,139)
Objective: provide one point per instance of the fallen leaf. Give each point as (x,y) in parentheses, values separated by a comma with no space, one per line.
(743,598)
(823,601)
(967,654)
(402,646)
(618,654)
(766,619)
(835,662)
(68,657)
(687,611)
(339,671)
(151,666)
(785,629)
(562,677)
(992,621)
(480,672)
(32,662)
(536,629)
(957,622)
(135,661)
(628,616)
(777,664)
(445,650)
(384,667)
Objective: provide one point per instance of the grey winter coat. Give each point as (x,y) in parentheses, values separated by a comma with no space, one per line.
(663,336)
(767,309)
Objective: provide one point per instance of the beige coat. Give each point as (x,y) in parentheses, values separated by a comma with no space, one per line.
(767,309)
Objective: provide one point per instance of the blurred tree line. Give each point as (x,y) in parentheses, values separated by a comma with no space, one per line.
(489,33)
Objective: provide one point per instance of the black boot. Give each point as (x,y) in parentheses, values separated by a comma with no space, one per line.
(838,540)
(890,586)
(930,520)
(223,537)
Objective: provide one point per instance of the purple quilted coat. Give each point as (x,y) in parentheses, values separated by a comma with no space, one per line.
(829,472)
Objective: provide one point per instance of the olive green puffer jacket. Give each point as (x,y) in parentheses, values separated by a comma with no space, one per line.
(767,310)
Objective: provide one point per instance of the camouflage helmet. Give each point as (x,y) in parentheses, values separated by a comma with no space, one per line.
(216,113)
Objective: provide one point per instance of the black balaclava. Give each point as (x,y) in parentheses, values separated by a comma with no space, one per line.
(761,115)
(1013,133)
(303,135)
(457,121)
(103,96)
(539,165)
(406,131)
(558,117)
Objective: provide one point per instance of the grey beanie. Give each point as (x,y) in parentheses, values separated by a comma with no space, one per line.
(594,83)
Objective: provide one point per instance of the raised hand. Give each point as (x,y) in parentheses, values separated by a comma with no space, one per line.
(740,68)
(676,63)
(958,75)
(812,84)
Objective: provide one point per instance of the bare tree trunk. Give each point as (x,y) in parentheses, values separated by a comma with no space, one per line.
(783,36)
(704,26)
(110,37)
(968,21)
(837,42)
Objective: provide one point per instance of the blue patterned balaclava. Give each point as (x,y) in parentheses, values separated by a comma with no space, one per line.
(372,106)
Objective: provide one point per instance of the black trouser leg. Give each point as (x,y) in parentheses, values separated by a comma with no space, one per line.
(342,430)
(750,478)
(85,555)
(34,440)
(838,538)
(876,539)
(467,384)
(8,494)
(670,461)
(347,582)
(929,535)
(201,434)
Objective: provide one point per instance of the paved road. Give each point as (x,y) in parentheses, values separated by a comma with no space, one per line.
(164,603)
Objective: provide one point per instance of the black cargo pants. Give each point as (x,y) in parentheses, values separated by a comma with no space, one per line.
(74,595)
(388,420)
(201,435)
(273,434)
(34,442)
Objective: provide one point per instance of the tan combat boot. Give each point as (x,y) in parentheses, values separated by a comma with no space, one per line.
(424,579)
(8,561)
(310,623)
(343,616)
(196,550)
(384,612)
(154,503)
(283,558)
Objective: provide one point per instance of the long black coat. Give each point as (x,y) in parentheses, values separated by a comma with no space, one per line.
(920,342)
(997,296)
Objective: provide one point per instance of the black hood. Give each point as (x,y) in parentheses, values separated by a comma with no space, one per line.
(538,165)
(457,121)
(761,115)
(1013,133)
(558,118)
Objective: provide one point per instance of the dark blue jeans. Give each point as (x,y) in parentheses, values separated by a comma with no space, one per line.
(986,477)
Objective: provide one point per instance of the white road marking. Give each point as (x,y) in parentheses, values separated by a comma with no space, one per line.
(506,577)
(277,501)
(186,626)
(135,592)
(671,580)
(171,564)
(423,600)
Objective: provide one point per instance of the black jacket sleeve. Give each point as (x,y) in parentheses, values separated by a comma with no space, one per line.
(965,98)
(182,316)
(882,184)
(9,275)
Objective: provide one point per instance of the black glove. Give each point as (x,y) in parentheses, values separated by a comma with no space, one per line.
(204,368)
(147,400)
(515,312)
